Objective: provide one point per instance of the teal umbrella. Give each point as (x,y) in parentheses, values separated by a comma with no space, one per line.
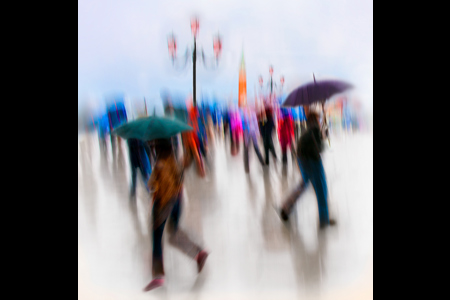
(151,128)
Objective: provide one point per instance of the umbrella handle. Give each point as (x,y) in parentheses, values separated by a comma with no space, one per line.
(323,111)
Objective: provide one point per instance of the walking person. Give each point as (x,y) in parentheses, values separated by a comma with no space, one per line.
(286,133)
(139,153)
(117,115)
(251,134)
(310,163)
(166,182)
(192,141)
(236,129)
(267,125)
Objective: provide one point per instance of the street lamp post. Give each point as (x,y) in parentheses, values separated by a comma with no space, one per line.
(217,45)
(271,84)
(194,29)
(271,80)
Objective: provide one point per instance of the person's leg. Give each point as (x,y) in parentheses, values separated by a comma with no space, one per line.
(144,166)
(232,145)
(272,147)
(319,183)
(284,152)
(179,238)
(293,152)
(266,149)
(145,175)
(202,147)
(258,153)
(288,204)
(194,148)
(246,158)
(175,214)
(157,256)
(133,181)
(290,201)
(113,144)
(199,160)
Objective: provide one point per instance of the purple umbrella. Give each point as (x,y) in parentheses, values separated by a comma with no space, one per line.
(317,91)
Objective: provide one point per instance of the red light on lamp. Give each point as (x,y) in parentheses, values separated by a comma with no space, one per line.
(194,26)
(217,47)
(172,46)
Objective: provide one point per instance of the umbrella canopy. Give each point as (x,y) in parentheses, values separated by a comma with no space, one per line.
(317,91)
(151,128)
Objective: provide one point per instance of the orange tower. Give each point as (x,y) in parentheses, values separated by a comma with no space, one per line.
(242,84)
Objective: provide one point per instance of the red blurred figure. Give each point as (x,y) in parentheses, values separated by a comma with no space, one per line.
(286,133)
(191,140)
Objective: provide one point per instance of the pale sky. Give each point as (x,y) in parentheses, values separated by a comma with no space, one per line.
(122,45)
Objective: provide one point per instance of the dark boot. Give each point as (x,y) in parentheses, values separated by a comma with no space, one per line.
(284,216)
(331,222)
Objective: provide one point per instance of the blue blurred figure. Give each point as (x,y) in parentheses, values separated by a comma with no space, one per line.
(202,135)
(217,117)
(117,115)
(103,130)
(139,153)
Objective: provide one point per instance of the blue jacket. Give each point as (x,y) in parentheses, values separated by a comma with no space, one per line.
(139,155)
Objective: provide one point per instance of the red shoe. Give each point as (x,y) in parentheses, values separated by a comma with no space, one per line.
(157,282)
(201,259)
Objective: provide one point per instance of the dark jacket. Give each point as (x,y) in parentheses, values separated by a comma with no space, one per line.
(139,153)
(310,144)
(267,126)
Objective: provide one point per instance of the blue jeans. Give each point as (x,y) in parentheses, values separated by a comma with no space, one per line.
(145,177)
(139,160)
(312,171)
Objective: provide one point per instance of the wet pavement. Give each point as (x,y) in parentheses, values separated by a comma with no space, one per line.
(253,254)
